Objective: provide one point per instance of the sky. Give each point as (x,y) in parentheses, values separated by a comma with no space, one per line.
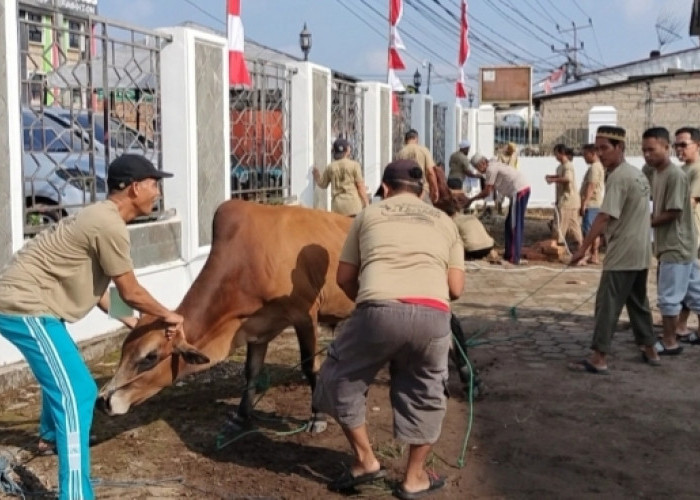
(351,35)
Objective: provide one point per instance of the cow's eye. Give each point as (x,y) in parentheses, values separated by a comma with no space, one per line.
(148,361)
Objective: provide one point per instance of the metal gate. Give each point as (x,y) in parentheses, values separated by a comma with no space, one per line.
(401,122)
(260,134)
(439,121)
(348,116)
(90,91)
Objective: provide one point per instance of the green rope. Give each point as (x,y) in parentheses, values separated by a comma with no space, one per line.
(514,308)
(461,460)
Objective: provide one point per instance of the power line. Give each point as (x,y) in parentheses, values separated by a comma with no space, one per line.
(563,14)
(579,8)
(205,12)
(516,23)
(536,25)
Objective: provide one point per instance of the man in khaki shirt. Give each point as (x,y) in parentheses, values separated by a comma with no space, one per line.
(568,201)
(624,217)
(348,191)
(402,262)
(592,188)
(687,147)
(421,155)
(59,277)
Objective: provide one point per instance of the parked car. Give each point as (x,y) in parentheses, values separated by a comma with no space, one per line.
(58,175)
(122,138)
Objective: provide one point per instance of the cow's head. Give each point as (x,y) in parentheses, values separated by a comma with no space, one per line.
(149,362)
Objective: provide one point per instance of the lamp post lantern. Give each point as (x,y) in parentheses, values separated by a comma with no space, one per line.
(305,42)
(417,80)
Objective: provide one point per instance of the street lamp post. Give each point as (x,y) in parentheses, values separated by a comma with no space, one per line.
(417,80)
(305,42)
(470,96)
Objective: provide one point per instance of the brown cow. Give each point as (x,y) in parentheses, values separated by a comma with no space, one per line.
(269,267)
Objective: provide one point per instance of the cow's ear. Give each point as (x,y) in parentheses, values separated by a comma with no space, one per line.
(191,355)
(188,352)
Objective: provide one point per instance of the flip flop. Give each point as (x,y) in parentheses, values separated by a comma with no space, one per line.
(650,361)
(665,351)
(436,482)
(346,481)
(585,366)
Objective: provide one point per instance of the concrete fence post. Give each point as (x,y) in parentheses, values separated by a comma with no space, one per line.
(600,115)
(11,203)
(377,132)
(453,129)
(196,132)
(485,123)
(310,132)
(422,118)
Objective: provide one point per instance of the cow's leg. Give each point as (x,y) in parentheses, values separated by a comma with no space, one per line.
(307,334)
(254,361)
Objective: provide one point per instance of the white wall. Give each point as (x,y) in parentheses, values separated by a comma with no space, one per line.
(535,169)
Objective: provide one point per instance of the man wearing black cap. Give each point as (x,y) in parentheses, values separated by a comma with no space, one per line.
(625,218)
(402,262)
(348,191)
(60,276)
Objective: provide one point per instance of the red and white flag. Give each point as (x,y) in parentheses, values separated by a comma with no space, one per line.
(553,79)
(464,50)
(394,60)
(237,69)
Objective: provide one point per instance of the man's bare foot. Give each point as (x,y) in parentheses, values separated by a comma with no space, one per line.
(44,447)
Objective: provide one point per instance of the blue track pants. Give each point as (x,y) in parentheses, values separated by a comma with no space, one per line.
(68,395)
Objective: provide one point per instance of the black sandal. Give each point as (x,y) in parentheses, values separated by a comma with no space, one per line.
(346,481)
(436,482)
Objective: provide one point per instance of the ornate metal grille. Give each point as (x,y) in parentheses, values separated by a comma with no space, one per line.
(90,92)
(402,122)
(439,121)
(347,116)
(260,138)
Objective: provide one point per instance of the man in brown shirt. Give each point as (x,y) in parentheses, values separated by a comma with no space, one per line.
(568,202)
(592,196)
(402,262)
(60,276)
(414,151)
(348,191)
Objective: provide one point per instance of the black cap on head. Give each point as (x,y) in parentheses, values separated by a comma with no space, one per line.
(403,172)
(340,147)
(130,168)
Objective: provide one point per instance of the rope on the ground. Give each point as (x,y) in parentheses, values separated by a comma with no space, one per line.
(262,383)
(461,460)
(7,484)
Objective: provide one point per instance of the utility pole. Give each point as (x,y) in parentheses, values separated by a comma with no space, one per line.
(573,70)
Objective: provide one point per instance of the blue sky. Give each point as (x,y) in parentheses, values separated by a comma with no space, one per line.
(349,36)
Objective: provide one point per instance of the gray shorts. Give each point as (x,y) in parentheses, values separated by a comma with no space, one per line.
(415,341)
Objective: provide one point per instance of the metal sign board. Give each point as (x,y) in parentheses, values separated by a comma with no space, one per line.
(505,84)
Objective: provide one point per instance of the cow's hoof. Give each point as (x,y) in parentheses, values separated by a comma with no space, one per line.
(316,426)
(235,424)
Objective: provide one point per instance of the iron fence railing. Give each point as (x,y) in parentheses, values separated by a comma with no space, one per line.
(347,116)
(401,122)
(439,123)
(90,91)
(260,134)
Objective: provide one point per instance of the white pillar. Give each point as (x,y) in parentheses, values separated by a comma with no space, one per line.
(422,118)
(12,204)
(377,132)
(179,120)
(600,115)
(485,122)
(310,143)
(453,129)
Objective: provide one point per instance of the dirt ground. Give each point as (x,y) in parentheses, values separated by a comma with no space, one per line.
(540,431)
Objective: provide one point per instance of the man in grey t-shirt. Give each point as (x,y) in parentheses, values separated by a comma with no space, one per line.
(624,217)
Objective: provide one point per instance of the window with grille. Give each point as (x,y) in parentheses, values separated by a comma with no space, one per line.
(75,34)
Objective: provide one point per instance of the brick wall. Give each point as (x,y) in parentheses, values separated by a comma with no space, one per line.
(671,101)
